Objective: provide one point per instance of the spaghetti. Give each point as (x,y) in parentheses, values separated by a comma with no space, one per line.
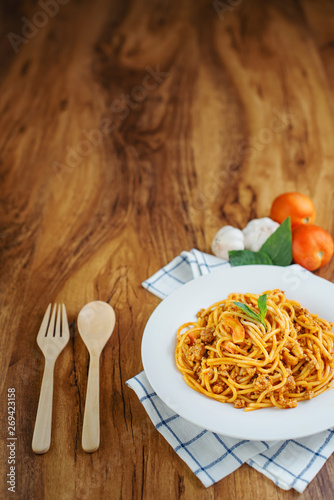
(233,358)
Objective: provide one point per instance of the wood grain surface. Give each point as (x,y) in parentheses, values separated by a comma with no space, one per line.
(131,131)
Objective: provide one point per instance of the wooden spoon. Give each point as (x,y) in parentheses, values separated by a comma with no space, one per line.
(96,322)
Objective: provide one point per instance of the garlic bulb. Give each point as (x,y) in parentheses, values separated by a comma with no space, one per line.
(257,232)
(227,238)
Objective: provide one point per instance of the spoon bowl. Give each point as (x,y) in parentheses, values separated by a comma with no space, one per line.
(96,322)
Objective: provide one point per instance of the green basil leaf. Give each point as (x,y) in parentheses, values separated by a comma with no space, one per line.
(247,310)
(247,257)
(278,246)
(262,303)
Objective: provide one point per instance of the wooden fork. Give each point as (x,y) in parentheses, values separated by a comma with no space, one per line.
(51,339)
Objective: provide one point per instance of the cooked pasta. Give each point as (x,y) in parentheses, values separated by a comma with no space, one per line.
(235,359)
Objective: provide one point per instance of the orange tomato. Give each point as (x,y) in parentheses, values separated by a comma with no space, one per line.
(312,246)
(229,346)
(238,331)
(296,205)
(193,336)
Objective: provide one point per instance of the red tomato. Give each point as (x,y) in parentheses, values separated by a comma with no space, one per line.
(296,205)
(312,246)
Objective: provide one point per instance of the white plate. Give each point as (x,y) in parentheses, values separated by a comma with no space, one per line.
(159,340)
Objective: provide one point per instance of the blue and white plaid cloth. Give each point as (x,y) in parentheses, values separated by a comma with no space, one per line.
(290,464)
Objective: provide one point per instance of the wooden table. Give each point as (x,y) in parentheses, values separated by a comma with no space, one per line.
(132,131)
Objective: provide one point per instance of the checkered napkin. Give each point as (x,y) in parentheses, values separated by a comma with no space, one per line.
(290,464)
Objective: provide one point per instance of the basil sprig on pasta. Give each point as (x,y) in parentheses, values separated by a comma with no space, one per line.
(262,305)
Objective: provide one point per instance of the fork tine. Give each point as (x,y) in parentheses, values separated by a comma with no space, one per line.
(57,330)
(65,330)
(50,331)
(45,321)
